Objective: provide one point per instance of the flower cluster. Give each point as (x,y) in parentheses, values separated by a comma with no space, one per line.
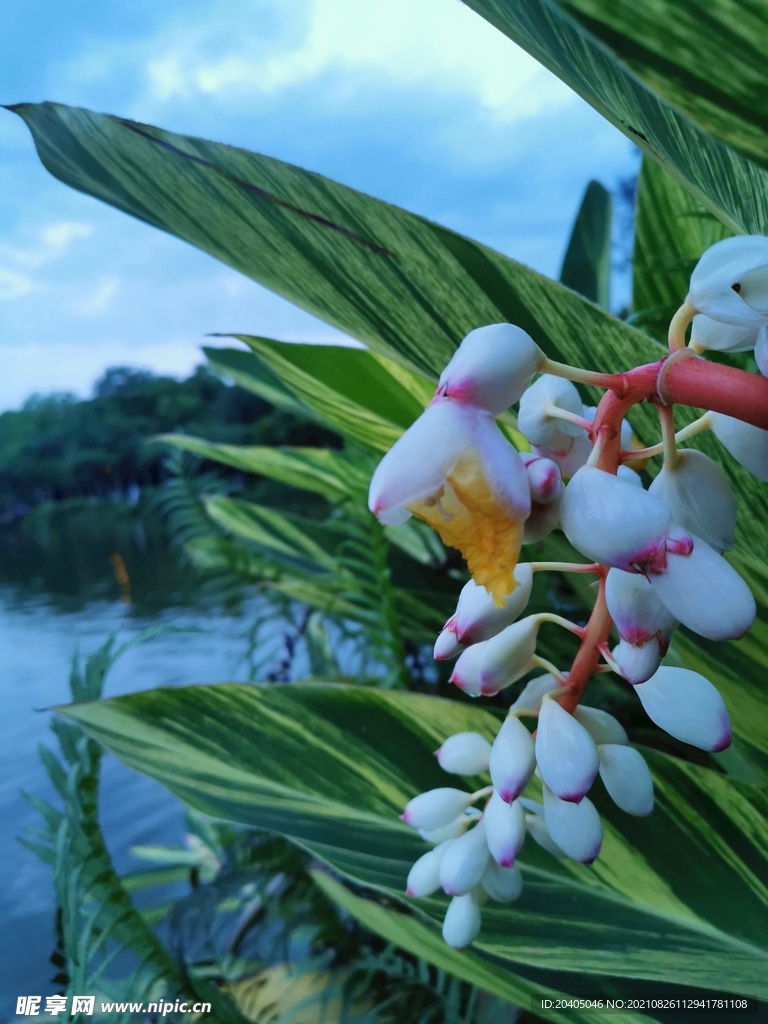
(657,554)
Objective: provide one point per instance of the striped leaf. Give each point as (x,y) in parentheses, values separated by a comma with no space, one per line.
(679,898)
(727,183)
(587,262)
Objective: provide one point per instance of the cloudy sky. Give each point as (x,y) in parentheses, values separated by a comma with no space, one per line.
(418,102)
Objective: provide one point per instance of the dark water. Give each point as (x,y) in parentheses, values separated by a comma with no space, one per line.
(60,594)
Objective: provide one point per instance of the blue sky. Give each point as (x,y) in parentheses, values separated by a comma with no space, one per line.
(418,102)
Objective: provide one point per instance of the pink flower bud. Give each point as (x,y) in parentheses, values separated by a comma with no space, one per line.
(602,727)
(465,753)
(424,876)
(466,671)
(544,479)
(504,829)
(512,759)
(638,662)
(533,419)
(436,807)
(698,497)
(478,617)
(502,884)
(705,593)
(688,707)
(462,921)
(566,754)
(610,521)
(464,862)
(747,444)
(507,656)
(491,367)
(730,281)
(532,693)
(627,779)
(575,828)
(637,612)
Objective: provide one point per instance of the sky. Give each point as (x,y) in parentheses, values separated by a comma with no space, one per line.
(418,102)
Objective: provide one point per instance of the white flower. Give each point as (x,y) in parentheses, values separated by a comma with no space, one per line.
(464,861)
(688,707)
(698,497)
(638,662)
(466,671)
(424,876)
(513,759)
(747,444)
(532,693)
(627,778)
(566,754)
(574,828)
(455,469)
(602,727)
(504,829)
(637,612)
(491,367)
(541,522)
(761,351)
(436,807)
(464,753)
(705,593)
(502,884)
(534,418)
(537,828)
(615,523)
(507,656)
(478,617)
(546,483)
(718,337)
(730,281)
(462,921)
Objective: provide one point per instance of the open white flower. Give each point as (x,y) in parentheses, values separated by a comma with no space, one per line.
(491,368)
(747,444)
(730,282)
(698,497)
(454,469)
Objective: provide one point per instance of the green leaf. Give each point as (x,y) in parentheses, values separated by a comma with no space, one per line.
(254,376)
(363,395)
(320,470)
(675,898)
(406,287)
(705,57)
(587,262)
(727,183)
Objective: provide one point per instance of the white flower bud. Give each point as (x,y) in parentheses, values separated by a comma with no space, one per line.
(602,727)
(462,921)
(538,829)
(730,281)
(688,707)
(464,862)
(709,334)
(747,444)
(566,754)
(477,617)
(541,522)
(637,612)
(502,884)
(575,828)
(436,807)
(507,656)
(761,350)
(424,876)
(638,662)
(627,778)
(504,829)
(452,830)
(534,420)
(464,753)
(491,368)
(532,693)
(447,644)
(466,671)
(613,522)
(629,476)
(568,453)
(705,593)
(698,497)
(512,759)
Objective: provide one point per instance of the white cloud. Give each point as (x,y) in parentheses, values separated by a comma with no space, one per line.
(13,286)
(439,45)
(98,300)
(53,242)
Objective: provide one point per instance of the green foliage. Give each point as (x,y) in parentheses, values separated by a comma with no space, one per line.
(587,262)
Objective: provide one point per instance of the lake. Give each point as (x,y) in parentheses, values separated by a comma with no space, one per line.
(41,628)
